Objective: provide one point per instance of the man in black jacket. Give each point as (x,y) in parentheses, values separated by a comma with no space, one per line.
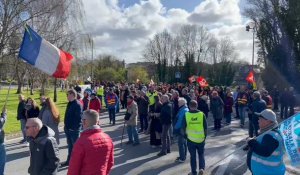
(166,121)
(21,116)
(44,154)
(143,103)
(72,122)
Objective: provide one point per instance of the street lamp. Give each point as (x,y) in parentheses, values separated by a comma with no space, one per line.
(248,28)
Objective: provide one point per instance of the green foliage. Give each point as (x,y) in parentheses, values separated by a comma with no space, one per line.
(138,73)
(278,33)
(110,74)
(12,125)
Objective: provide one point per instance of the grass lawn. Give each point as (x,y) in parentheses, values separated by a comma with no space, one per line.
(12,125)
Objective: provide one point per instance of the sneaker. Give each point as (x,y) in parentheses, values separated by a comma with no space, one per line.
(26,143)
(22,141)
(168,151)
(179,160)
(242,126)
(161,154)
(129,142)
(140,131)
(246,148)
(153,146)
(201,172)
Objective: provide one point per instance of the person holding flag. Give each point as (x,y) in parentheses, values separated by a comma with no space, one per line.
(266,152)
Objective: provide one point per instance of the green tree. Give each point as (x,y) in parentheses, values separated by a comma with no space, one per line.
(137,73)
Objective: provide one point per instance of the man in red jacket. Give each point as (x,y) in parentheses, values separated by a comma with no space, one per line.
(95,103)
(93,152)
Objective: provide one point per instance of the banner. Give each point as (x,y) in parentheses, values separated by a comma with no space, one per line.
(290,132)
(202,82)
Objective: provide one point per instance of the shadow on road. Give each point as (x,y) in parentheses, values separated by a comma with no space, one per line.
(15,156)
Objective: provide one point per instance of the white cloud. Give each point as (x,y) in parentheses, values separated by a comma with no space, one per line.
(124,32)
(214,11)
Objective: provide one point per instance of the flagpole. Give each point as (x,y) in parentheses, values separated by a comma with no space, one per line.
(241,147)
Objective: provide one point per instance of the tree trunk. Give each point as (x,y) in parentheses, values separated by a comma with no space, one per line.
(55,92)
(19,90)
(31,88)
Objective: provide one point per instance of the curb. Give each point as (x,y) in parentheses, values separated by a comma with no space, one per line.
(18,135)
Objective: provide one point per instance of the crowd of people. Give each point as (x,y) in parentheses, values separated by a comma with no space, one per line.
(165,112)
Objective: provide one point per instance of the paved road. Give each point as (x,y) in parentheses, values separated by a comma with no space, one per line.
(222,152)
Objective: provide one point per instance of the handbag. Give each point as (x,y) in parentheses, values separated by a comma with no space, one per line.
(127,116)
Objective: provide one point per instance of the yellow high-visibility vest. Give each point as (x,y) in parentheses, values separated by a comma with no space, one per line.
(100,91)
(151,97)
(195,126)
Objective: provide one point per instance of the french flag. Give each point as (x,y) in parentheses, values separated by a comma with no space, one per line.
(43,55)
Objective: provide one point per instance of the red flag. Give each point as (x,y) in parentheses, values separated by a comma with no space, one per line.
(202,82)
(250,77)
(192,79)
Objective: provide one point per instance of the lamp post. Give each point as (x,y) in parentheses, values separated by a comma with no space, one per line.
(91,41)
(248,28)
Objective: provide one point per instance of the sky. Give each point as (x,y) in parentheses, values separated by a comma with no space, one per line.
(123,27)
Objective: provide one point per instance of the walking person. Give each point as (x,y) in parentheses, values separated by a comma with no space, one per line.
(3,118)
(50,117)
(131,123)
(44,154)
(72,122)
(195,129)
(265,156)
(216,108)
(93,153)
(22,118)
(111,101)
(166,121)
(228,103)
(182,144)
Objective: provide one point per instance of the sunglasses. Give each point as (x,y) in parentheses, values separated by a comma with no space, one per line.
(27,127)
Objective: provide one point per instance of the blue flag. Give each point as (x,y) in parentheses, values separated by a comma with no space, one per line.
(290,132)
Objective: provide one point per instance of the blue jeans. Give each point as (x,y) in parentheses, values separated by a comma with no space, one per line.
(144,122)
(228,118)
(182,146)
(112,115)
(253,125)
(2,158)
(132,134)
(72,136)
(23,123)
(242,113)
(195,148)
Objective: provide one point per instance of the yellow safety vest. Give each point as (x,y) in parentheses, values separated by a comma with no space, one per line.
(101,91)
(194,126)
(151,97)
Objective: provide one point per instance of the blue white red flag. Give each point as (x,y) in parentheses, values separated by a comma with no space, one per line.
(44,56)
(290,132)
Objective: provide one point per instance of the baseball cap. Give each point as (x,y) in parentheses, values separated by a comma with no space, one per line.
(268,114)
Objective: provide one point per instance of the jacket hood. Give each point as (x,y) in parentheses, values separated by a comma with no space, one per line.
(44,132)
